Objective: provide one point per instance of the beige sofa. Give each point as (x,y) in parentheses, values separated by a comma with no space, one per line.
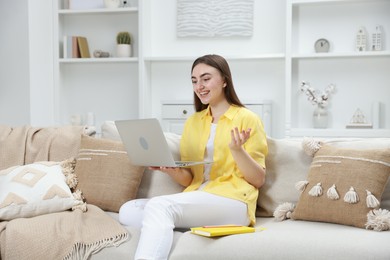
(287,163)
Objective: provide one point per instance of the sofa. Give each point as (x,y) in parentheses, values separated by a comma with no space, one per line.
(288,162)
(286,225)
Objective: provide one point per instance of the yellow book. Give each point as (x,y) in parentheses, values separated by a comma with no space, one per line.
(223,230)
(83,47)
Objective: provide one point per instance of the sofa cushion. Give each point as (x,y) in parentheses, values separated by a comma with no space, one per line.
(341,183)
(106,176)
(286,164)
(35,189)
(365,143)
(302,240)
(109,131)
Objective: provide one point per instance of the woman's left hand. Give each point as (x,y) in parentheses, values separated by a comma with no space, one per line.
(238,138)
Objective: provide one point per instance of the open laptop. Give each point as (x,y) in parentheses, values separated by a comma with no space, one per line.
(146,145)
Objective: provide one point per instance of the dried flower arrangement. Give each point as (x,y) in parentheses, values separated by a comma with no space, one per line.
(316,97)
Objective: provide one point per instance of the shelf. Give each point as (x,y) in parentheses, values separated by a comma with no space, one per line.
(312,132)
(342,55)
(307,21)
(99,11)
(99,60)
(278,65)
(232,58)
(321,2)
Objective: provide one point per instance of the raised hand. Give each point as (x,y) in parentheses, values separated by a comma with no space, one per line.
(238,138)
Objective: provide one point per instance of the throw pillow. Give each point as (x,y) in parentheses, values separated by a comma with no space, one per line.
(286,163)
(109,131)
(343,186)
(367,143)
(35,189)
(105,174)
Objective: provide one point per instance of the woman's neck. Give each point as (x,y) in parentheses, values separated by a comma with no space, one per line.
(218,110)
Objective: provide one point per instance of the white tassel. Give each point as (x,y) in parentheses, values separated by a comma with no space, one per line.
(301,185)
(68,167)
(78,195)
(81,206)
(284,211)
(378,220)
(351,196)
(316,191)
(71,180)
(332,193)
(371,200)
(311,146)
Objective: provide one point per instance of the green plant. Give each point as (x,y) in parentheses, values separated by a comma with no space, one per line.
(123,38)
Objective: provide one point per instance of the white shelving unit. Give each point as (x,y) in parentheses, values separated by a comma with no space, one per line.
(107,87)
(361,78)
(267,66)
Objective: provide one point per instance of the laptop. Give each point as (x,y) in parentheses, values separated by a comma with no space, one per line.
(146,145)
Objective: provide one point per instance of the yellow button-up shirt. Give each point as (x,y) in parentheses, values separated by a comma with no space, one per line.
(225,177)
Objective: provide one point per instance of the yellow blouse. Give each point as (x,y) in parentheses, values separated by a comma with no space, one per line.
(225,178)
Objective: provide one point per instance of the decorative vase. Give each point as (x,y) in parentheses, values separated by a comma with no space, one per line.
(123,50)
(320,117)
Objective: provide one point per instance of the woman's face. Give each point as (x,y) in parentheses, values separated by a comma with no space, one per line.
(208,84)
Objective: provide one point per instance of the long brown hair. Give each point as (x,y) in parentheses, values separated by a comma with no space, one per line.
(222,66)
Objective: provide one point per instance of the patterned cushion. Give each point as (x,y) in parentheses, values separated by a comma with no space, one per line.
(35,189)
(343,185)
(105,174)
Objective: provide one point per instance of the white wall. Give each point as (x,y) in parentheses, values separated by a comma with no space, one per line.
(255,80)
(27,94)
(268,33)
(14,62)
(26,64)
(40,25)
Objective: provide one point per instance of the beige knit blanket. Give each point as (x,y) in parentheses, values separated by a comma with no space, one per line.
(26,144)
(64,235)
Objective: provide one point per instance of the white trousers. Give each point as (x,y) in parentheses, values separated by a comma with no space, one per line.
(160,215)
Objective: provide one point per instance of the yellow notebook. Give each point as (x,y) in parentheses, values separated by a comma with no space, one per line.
(223,230)
(83,47)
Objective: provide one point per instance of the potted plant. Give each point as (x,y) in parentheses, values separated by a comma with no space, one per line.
(123,40)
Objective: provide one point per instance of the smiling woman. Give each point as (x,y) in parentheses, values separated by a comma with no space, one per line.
(221,130)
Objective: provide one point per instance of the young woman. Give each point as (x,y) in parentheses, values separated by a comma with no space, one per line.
(224,131)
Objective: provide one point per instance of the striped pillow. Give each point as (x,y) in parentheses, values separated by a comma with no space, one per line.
(105,175)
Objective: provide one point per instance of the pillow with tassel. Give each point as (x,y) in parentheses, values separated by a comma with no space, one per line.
(344,186)
(39,188)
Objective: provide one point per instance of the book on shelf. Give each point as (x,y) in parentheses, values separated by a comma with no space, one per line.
(83,47)
(222,230)
(71,47)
